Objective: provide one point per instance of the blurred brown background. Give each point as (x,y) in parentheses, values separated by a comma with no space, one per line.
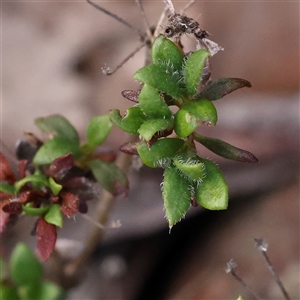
(52,54)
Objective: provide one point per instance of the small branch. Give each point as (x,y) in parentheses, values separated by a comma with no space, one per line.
(262,246)
(230,269)
(73,270)
(116,17)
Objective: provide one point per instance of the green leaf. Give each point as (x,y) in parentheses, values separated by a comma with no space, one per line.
(51,291)
(193,114)
(54,215)
(23,260)
(225,150)
(31,291)
(7,188)
(3,270)
(109,176)
(34,211)
(240,298)
(98,130)
(160,153)
(223,86)
(193,70)
(212,193)
(132,120)
(55,148)
(152,104)
(190,167)
(55,187)
(8,292)
(164,79)
(40,180)
(58,126)
(164,51)
(150,127)
(176,194)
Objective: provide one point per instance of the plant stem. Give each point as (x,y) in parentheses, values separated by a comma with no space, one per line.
(73,270)
(244,284)
(276,277)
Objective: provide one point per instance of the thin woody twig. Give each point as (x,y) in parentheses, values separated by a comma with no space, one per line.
(262,246)
(116,17)
(73,270)
(230,269)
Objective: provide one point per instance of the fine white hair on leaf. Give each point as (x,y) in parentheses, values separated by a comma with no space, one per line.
(163,162)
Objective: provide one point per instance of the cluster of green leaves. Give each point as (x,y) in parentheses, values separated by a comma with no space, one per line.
(59,177)
(24,279)
(167,139)
(66,140)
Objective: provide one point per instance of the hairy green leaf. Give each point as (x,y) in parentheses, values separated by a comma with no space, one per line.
(193,114)
(190,167)
(212,193)
(166,52)
(152,104)
(193,70)
(161,153)
(164,78)
(150,127)
(131,121)
(176,194)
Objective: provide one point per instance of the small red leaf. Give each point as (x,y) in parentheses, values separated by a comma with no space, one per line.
(131,95)
(129,148)
(82,207)
(46,238)
(13,208)
(6,172)
(22,167)
(4,217)
(69,204)
(108,156)
(61,165)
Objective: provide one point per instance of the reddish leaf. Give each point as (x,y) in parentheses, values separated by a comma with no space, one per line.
(61,165)
(4,217)
(54,199)
(131,95)
(222,87)
(69,204)
(225,150)
(6,172)
(82,207)
(108,156)
(13,208)
(33,196)
(46,238)
(129,148)
(22,167)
